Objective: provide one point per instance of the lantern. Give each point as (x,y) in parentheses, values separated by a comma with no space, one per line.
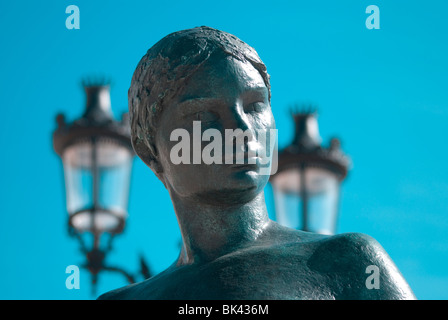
(97,158)
(307,183)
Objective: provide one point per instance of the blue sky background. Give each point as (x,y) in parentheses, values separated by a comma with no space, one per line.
(383,92)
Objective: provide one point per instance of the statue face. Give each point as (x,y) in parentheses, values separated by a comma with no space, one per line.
(224,93)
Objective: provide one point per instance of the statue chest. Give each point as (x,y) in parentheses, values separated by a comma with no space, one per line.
(264,274)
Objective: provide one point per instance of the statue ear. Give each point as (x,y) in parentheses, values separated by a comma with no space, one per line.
(147,153)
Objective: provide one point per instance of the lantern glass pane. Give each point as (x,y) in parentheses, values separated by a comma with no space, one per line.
(97,178)
(115,164)
(322,204)
(78,176)
(320,188)
(287,209)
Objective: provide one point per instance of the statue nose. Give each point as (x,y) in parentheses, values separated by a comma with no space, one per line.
(237,119)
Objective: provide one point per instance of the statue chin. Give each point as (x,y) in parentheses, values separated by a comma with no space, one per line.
(217,184)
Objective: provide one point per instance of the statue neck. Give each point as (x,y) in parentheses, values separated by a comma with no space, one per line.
(211,231)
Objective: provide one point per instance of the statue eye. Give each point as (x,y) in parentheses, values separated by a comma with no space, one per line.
(256,107)
(206,116)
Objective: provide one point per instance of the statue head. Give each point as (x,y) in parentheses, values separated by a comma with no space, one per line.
(200,74)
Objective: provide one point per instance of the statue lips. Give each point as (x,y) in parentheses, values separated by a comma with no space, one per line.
(246,165)
(247,153)
(250,162)
(244,159)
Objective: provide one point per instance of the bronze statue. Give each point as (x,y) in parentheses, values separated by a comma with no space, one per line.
(231,249)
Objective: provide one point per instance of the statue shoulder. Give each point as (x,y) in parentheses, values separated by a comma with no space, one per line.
(349,245)
(357,259)
(117,294)
(149,289)
(143,290)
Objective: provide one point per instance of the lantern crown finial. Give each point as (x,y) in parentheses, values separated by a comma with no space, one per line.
(98,104)
(306,128)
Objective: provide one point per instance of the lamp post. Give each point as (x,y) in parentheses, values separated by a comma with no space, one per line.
(97,158)
(307,182)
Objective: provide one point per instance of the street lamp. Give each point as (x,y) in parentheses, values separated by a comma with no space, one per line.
(306,184)
(97,158)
